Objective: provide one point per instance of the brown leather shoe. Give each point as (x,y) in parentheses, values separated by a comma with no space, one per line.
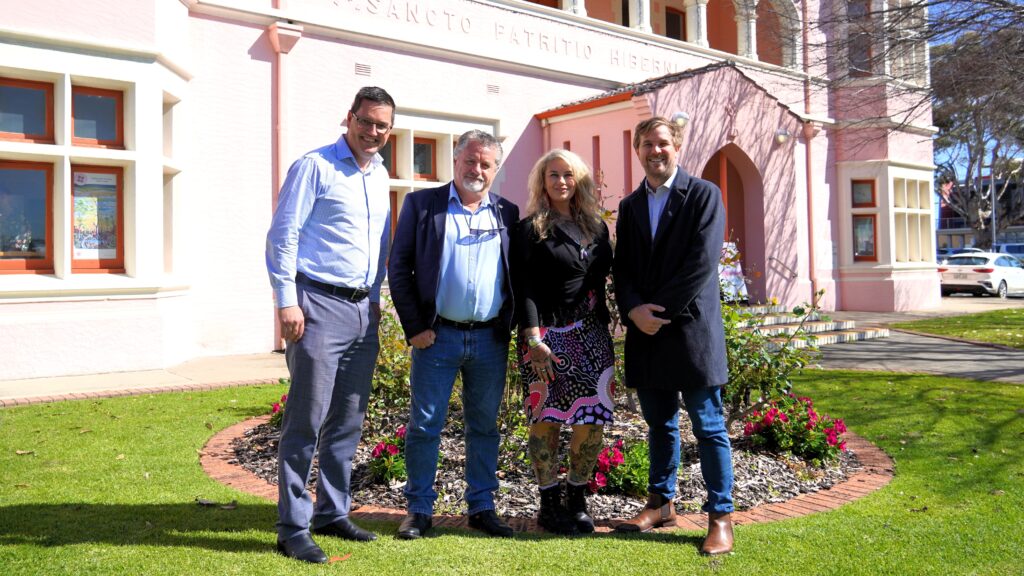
(658,512)
(719,540)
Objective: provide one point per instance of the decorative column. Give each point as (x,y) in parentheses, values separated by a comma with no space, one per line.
(746,30)
(640,15)
(577,7)
(697,22)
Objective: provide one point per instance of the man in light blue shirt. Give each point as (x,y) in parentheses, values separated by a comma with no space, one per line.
(451,283)
(326,253)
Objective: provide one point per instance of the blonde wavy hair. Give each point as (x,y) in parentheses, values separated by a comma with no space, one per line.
(583,206)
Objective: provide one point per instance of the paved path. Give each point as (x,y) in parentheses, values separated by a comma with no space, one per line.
(902,352)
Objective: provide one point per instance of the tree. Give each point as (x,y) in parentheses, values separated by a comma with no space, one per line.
(979,111)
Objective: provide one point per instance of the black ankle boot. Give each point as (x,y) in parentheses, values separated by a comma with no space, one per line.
(576,506)
(553,516)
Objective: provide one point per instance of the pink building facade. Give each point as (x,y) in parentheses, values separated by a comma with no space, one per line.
(142,144)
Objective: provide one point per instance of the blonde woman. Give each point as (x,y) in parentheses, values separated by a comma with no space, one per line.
(565,348)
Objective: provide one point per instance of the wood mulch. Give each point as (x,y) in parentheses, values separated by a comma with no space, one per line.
(760,478)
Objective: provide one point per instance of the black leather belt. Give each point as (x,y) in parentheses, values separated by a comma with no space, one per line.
(350,294)
(471,325)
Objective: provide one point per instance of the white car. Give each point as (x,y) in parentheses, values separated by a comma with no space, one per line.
(981,273)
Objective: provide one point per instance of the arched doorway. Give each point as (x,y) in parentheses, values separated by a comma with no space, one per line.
(743,195)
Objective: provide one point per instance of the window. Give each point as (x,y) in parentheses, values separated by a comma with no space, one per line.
(97,219)
(913,233)
(387,152)
(675,24)
(97,117)
(26,111)
(858,13)
(424,158)
(862,193)
(26,217)
(864,234)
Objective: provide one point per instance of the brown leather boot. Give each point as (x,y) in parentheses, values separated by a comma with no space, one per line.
(719,540)
(658,512)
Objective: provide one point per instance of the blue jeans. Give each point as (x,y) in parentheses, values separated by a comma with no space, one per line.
(704,405)
(481,357)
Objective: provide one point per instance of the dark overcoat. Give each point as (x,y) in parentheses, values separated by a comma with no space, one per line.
(414,266)
(678,270)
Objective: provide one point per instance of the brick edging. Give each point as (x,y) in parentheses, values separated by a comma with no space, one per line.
(876,472)
(92,394)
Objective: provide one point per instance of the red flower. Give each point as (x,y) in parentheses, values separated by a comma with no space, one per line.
(275,408)
(603,464)
(392,449)
(617,457)
(378,450)
(842,445)
(284,398)
(400,432)
(748,429)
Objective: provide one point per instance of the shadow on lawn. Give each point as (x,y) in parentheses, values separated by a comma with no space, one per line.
(179,525)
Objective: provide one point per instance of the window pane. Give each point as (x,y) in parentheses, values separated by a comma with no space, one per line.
(22,213)
(22,110)
(95,216)
(863,193)
(673,25)
(863,236)
(95,117)
(386,153)
(423,158)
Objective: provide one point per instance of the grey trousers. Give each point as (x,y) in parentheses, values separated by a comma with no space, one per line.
(331,369)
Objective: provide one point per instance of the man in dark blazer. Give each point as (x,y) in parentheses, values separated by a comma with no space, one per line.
(452,288)
(669,242)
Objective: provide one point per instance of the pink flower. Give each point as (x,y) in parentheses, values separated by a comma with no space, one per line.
(770,417)
(748,429)
(806,401)
(400,432)
(600,479)
(392,449)
(783,417)
(617,457)
(840,426)
(603,464)
(284,398)
(378,450)
(619,444)
(842,445)
(275,408)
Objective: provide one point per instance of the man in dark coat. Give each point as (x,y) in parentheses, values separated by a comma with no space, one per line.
(669,242)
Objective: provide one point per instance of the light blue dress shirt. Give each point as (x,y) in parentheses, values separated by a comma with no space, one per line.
(657,199)
(332,223)
(472,277)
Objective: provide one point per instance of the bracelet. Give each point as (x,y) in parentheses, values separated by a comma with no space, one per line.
(533,341)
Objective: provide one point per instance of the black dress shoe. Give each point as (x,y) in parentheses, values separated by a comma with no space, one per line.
(302,547)
(345,529)
(414,525)
(489,522)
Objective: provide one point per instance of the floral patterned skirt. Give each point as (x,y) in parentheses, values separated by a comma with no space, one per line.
(583,387)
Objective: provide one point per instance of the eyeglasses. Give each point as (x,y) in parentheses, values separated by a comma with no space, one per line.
(366,123)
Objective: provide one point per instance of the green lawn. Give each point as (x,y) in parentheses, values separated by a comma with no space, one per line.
(1004,327)
(109,488)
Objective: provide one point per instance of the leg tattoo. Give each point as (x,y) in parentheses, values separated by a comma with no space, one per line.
(583,451)
(543,446)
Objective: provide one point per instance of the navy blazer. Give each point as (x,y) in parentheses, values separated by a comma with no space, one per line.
(678,269)
(414,267)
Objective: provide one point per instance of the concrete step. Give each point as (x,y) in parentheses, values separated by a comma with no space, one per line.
(834,337)
(777,318)
(764,309)
(813,327)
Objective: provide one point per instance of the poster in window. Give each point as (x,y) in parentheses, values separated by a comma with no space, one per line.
(95,216)
(863,193)
(864,237)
